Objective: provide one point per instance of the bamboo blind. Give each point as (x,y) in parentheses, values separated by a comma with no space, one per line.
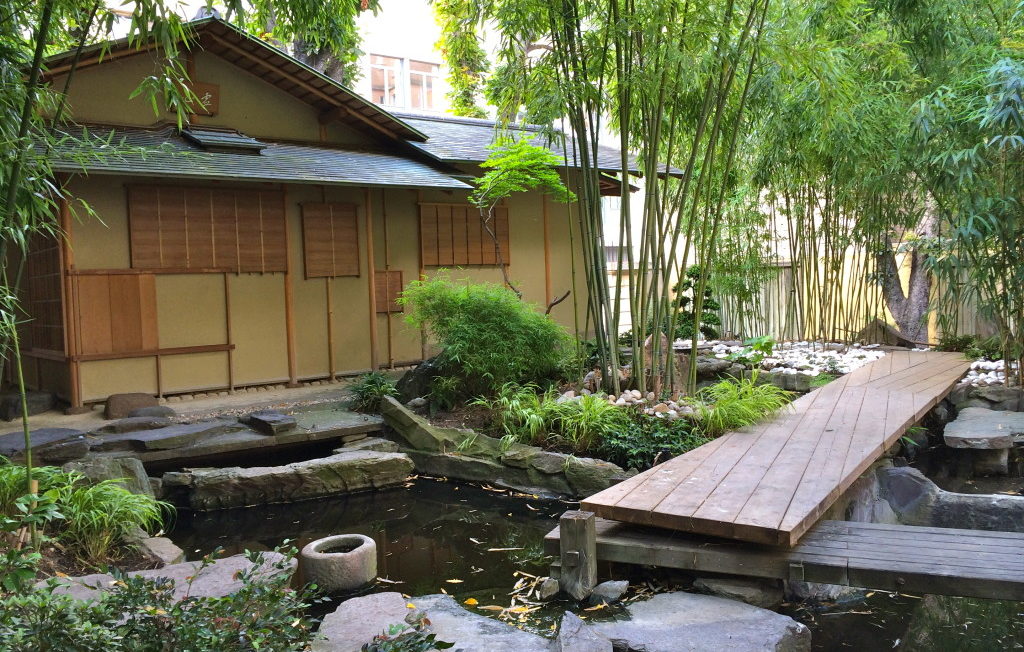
(388,286)
(207,228)
(330,239)
(454,234)
(43,294)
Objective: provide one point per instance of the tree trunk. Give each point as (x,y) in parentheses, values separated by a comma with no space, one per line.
(910,308)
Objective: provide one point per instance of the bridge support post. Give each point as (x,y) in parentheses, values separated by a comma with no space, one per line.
(578,552)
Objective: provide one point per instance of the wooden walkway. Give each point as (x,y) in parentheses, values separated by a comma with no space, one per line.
(771,483)
(902,558)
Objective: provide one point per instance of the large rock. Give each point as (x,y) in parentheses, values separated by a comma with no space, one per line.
(153,411)
(342,473)
(49,445)
(673,622)
(759,593)
(216,580)
(134,424)
(916,500)
(574,635)
(984,429)
(37,402)
(993,397)
(345,630)
(128,470)
(270,422)
(166,438)
(416,382)
(119,406)
(588,476)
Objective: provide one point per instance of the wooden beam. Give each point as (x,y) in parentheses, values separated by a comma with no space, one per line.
(148,353)
(98,59)
(371,273)
(69,307)
(578,553)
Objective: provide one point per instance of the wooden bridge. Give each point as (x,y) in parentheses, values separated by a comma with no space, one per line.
(741,503)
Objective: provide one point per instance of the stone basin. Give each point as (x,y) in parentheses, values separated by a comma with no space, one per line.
(343,562)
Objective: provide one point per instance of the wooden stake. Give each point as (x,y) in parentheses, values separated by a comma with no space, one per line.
(578,542)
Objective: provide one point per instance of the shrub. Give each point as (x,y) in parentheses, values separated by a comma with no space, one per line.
(734,403)
(405,638)
(370,389)
(445,392)
(99,517)
(488,336)
(141,614)
(648,441)
(94,519)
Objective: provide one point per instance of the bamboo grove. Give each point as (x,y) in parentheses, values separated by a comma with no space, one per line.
(824,163)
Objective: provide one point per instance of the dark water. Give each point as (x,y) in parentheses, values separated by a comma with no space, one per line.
(950,468)
(434,531)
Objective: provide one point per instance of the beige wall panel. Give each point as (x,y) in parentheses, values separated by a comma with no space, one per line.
(258,328)
(100,242)
(309,297)
(190,310)
(101,378)
(193,372)
(351,324)
(101,93)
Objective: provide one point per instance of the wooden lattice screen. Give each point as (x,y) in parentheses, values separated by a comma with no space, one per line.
(330,239)
(207,228)
(43,296)
(388,285)
(453,234)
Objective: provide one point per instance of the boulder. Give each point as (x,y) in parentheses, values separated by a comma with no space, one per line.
(119,406)
(588,476)
(608,592)
(978,428)
(759,593)
(343,473)
(879,332)
(49,445)
(916,500)
(672,622)
(217,580)
(128,470)
(153,411)
(270,422)
(548,462)
(575,636)
(709,368)
(358,620)
(134,424)
(416,382)
(37,402)
(548,588)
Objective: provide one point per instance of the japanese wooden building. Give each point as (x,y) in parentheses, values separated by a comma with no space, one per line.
(266,240)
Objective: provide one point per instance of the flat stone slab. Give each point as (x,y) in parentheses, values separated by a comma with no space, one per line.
(169,437)
(672,622)
(51,445)
(37,402)
(270,422)
(216,580)
(342,473)
(134,424)
(979,428)
(358,620)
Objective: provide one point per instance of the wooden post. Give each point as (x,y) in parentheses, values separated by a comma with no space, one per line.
(289,302)
(330,327)
(227,330)
(372,273)
(70,310)
(577,535)
(547,253)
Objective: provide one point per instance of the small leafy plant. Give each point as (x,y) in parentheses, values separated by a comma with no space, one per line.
(406,638)
(445,392)
(648,441)
(370,390)
(737,402)
(754,350)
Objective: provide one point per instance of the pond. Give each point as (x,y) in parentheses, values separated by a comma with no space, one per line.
(436,536)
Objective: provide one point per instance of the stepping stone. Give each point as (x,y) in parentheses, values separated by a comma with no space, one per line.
(49,445)
(134,424)
(174,436)
(270,422)
(153,411)
(120,406)
(983,429)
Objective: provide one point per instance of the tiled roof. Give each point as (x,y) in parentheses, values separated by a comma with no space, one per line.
(170,155)
(465,140)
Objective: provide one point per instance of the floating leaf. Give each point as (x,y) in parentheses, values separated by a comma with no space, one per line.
(409,605)
(471,602)
(454,581)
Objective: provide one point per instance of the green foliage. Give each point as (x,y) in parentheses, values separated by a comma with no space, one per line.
(648,441)
(92,520)
(754,350)
(467,61)
(821,380)
(18,565)
(445,392)
(518,166)
(955,343)
(737,402)
(141,614)
(98,517)
(687,321)
(370,389)
(405,638)
(488,336)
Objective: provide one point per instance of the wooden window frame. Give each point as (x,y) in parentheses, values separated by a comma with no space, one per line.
(388,285)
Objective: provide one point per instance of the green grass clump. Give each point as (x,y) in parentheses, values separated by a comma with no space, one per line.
(734,403)
(370,390)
